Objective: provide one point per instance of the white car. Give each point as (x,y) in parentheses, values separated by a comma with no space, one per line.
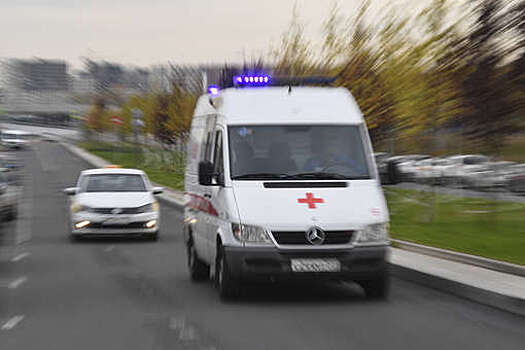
(112,201)
(430,171)
(493,177)
(461,166)
(15,138)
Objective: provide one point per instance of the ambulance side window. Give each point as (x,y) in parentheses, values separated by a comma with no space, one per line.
(218,164)
(207,147)
(195,144)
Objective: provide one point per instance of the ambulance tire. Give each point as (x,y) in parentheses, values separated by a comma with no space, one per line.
(199,271)
(228,287)
(377,288)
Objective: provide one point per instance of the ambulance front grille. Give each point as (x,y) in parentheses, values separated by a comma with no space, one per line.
(299,237)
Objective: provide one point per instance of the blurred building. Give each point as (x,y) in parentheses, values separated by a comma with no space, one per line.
(38,87)
(36,75)
(102,77)
(82,83)
(104,74)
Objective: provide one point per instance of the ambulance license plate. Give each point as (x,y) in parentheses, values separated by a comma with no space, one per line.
(315,265)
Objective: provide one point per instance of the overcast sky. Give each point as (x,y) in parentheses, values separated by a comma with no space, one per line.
(155,31)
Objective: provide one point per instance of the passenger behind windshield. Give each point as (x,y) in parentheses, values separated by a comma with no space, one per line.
(300,152)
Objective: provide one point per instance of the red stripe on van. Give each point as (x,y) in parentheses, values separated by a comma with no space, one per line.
(201,204)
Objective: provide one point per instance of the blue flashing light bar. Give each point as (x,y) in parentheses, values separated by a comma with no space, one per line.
(251,80)
(213,90)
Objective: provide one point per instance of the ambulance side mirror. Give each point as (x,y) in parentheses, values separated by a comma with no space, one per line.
(205,173)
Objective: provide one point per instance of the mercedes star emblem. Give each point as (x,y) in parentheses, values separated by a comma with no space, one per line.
(315,236)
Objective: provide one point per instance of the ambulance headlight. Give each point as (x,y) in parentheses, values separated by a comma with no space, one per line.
(376,233)
(251,234)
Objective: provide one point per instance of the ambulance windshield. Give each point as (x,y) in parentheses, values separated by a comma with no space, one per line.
(297,152)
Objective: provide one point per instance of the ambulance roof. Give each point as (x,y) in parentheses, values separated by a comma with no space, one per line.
(276,105)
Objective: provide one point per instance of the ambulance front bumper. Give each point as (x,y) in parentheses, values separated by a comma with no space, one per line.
(271,263)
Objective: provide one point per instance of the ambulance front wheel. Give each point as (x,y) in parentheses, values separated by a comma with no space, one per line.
(227,285)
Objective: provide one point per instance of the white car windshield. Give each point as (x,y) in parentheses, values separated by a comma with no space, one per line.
(112,183)
(297,152)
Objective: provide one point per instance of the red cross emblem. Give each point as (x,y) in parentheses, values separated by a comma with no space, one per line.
(310,200)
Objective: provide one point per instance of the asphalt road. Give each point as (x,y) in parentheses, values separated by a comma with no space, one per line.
(133,294)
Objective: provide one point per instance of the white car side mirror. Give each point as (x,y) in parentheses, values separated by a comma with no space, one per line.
(71,191)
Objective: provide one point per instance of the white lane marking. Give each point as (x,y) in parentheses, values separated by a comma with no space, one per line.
(12,322)
(25,214)
(20,256)
(185,331)
(109,249)
(17,283)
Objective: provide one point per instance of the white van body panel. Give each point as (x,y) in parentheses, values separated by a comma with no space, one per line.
(352,207)
(275,105)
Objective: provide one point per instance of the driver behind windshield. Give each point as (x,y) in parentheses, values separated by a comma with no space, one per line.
(287,151)
(329,154)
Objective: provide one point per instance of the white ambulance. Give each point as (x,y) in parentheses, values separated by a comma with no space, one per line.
(280,184)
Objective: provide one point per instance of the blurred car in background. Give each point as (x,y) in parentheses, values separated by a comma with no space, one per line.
(488,178)
(8,199)
(11,168)
(113,202)
(405,166)
(460,167)
(429,171)
(14,138)
(472,171)
(515,178)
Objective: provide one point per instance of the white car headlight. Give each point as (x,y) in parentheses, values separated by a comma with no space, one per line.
(76,208)
(251,234)
(376,233)
(151,207)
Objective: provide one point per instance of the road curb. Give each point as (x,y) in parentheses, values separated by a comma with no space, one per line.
(491,264)
(98,162)
(482,296)
(171,201)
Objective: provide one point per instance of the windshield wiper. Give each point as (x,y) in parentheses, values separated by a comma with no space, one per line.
(265,176)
